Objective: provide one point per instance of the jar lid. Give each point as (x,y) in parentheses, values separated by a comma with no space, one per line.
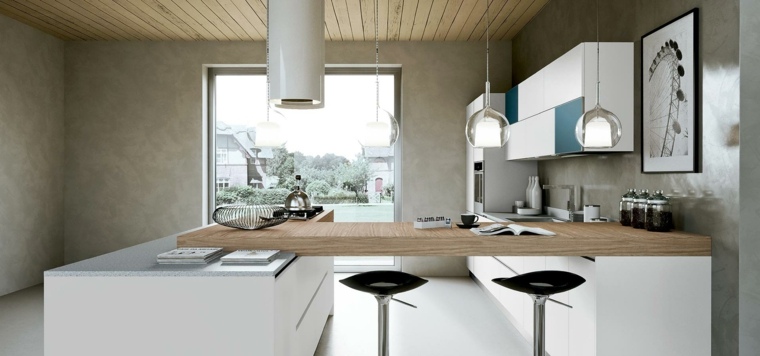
(657,198)
(642,197)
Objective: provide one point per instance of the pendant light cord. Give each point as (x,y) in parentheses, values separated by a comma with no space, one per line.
(488,83)
(268,87)
(598,79)
(377,63)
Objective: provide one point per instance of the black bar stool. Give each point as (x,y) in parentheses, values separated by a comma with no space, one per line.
(383,285)
(540,285)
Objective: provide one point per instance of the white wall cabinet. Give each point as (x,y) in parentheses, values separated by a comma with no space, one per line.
(532,138)
(561,92)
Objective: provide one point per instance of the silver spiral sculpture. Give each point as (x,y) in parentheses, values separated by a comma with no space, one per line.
(250,217)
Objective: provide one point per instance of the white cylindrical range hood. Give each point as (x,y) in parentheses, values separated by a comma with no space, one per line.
(297,53)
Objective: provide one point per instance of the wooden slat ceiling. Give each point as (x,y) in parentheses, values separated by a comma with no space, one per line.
(246,20)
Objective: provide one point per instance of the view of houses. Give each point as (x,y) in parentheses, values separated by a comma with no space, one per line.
(248,174)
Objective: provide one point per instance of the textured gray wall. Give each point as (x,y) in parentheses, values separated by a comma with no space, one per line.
(714,207)
(31,155)
(749,243)
(133,133)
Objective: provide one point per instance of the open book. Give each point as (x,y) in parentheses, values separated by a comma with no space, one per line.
(512,229)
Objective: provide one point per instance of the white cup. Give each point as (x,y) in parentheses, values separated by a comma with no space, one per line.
(519,203)
(590,212)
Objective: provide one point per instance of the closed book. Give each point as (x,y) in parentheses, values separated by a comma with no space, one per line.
(251,256)
(189,255)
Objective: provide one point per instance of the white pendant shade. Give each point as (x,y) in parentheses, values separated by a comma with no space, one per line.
(380,133)
(487,128)
(488,134)
(297,53)
(598,128)
(376,135)
(271,133)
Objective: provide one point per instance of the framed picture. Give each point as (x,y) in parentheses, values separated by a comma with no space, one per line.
(669,97)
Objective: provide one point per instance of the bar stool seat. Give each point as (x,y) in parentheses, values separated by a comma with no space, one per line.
(542,282)
(383,282)
(540,285)
(383,285)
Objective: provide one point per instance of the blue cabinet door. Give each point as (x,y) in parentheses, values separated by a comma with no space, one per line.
(511,104)
(565,118)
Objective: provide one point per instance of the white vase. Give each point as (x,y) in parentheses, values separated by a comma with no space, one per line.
(535,196)
(529,193)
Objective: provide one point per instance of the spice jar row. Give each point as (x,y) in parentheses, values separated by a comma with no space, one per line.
(643,211)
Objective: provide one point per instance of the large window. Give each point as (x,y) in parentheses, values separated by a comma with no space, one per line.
(358,183)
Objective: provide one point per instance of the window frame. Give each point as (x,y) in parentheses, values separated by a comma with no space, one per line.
(211,72)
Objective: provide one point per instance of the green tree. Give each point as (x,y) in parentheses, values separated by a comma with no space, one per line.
(282,165)
(354,176)
(318,188)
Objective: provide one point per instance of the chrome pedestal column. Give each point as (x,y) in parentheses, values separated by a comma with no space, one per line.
(383,302)
(539,324)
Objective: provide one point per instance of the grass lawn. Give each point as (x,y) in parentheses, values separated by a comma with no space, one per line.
(382,212)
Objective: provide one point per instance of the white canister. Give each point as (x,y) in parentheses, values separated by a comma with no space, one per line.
(590,212)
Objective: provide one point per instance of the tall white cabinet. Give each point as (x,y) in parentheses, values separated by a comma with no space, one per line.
(504,182)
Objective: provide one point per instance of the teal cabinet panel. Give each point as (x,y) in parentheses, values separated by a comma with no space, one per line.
(565,118)
(511,104)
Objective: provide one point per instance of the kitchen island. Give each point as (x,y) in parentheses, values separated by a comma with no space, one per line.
(630,303)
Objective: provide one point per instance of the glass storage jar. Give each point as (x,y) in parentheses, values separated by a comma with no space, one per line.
(638,211)
(659,216)
(626,203)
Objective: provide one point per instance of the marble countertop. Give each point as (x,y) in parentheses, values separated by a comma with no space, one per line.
(140,260)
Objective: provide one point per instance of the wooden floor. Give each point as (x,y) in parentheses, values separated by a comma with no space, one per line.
(454,318)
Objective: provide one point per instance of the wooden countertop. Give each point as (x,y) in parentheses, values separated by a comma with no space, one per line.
(320,237)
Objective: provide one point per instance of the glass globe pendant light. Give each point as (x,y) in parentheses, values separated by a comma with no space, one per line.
(487,127)
(383,132)
(598,127)
(270,133)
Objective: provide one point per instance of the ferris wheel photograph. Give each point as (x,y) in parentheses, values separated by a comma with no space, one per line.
(669,97)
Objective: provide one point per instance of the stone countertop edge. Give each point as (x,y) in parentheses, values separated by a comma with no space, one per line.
(140,261)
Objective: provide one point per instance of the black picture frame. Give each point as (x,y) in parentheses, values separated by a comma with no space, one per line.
(670,96)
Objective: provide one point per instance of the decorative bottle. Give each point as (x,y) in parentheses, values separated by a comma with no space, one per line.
(535,196)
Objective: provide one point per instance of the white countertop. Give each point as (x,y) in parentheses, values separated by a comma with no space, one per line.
(140,260)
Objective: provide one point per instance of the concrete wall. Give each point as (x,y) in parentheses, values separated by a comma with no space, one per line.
(749,242)
(134,121)
(714,209)
(31,155)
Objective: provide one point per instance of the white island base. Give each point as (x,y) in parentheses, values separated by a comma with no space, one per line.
(142,308)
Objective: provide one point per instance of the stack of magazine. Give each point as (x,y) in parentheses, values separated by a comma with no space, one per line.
(250,257)
(190,255)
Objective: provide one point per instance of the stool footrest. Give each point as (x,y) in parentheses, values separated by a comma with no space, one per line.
(405,303)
